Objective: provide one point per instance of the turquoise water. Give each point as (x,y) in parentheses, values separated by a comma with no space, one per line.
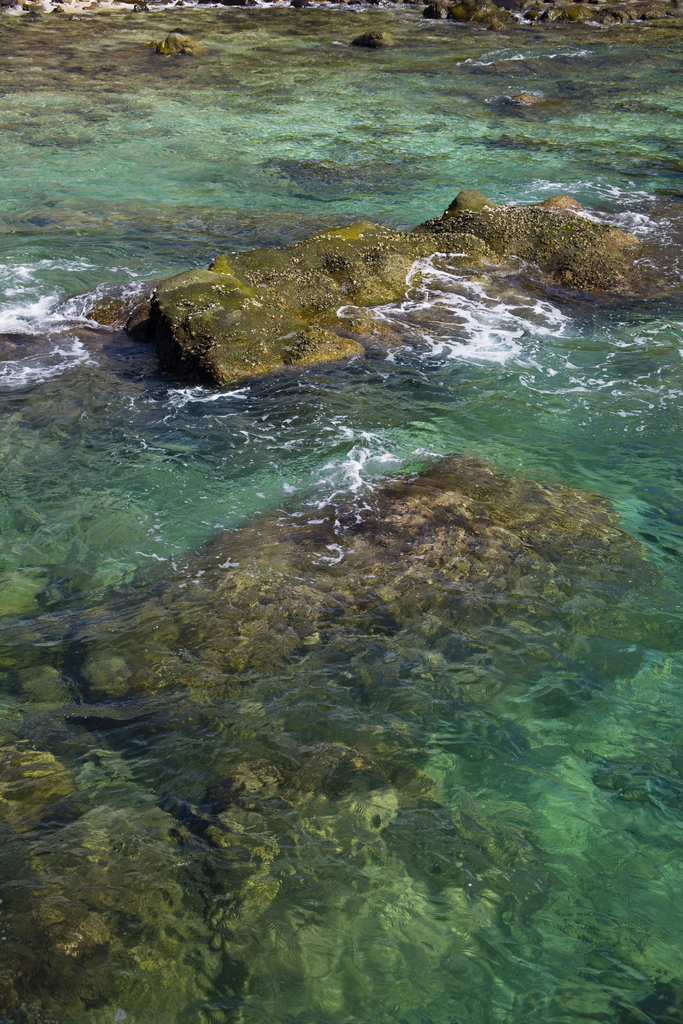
(485,819)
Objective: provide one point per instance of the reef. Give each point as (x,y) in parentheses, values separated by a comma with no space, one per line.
(262,310)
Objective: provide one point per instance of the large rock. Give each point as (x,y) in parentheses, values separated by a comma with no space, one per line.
(262,310)
(269,308)
(576,252)
(452,552)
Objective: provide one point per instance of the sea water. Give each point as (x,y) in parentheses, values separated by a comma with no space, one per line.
(538,876)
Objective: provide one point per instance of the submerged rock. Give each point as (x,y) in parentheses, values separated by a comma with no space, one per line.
(176,43)
(441,555)
(373,40)
(262,310)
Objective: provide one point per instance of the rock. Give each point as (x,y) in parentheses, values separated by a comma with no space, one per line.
(435,11)
(470,199)
(300,3)
(458,545)
(524,99)
(139,325)
(107,674)
(176,43)
(373,40)
(560,203)
(482,12)
(43,684)
(575,252)
(31,782)
(262,310)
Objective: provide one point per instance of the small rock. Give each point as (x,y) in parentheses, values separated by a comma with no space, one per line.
(300,3)
(373,40)
(560,203)
(435,11)
(470,199)
(524,99)
(178,42)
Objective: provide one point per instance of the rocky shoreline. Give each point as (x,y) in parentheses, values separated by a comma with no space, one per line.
(480,14)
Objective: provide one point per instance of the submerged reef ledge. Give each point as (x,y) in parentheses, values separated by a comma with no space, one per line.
(258,311)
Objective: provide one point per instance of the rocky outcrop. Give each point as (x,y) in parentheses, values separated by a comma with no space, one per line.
(575,252)
(266,309)
(270,308)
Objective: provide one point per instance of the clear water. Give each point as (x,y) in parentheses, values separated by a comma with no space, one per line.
(527,867)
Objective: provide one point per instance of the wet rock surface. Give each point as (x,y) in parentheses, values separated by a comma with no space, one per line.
(258,311)
(576,252)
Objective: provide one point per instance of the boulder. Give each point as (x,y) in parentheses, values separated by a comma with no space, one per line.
(482,12)
(262,310)
(458,544)
(575,252)
(266,309)
(373,40)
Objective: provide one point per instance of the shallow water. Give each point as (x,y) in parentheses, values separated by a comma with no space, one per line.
(236,789)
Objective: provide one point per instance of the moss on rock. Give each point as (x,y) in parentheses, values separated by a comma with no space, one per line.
(265,309)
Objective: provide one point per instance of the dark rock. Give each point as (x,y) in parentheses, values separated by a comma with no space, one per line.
(139,324)
(373,40)
(300,3)
(435,11)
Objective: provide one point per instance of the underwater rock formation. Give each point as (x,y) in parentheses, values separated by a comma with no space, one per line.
(261,310)
(451,553)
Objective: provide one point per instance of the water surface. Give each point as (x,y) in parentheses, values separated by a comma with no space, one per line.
(444,816)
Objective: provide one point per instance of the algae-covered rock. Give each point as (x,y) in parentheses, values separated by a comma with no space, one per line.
(265,309)
(373,40)
(261,310)
(176,43)
(576,252)
(483,12)
(432,557)
(31,781)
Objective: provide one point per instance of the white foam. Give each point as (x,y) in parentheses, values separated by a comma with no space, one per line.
(498,56)
(178,398)
(20,373)
(478,319)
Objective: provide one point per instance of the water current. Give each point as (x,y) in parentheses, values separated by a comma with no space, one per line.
(228,805)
